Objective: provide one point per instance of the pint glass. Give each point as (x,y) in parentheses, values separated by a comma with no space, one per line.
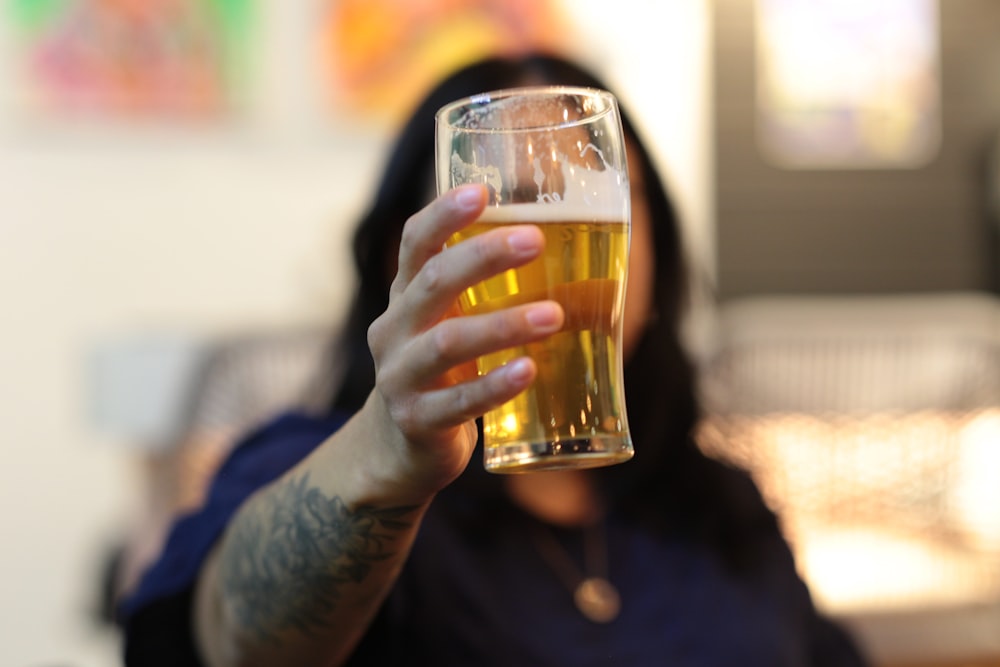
(553,157)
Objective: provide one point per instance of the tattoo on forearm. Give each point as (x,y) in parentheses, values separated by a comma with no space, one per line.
(286,563)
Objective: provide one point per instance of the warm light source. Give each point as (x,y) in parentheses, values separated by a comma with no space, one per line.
(884,511)
(847,83)
(975,498)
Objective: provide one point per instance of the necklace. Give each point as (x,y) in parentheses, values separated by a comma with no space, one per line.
(595,597)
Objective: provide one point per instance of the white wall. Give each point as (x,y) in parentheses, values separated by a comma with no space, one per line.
(656,55)
(111,232)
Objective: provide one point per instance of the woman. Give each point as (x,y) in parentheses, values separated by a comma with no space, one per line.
(366,538)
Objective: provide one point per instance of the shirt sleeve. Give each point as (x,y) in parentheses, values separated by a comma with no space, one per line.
(157,615)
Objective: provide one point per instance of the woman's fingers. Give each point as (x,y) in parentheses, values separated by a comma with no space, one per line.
(426,231)
(444,276)
(421,350)
(417,379)
(451,406)
(456,341)
(430,277)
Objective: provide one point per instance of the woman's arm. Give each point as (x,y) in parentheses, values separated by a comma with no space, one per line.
(305,564)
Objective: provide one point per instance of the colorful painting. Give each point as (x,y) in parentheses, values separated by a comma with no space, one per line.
(848,83)
(135,58)
(380,55)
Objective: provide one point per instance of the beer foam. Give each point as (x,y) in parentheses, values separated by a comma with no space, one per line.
(543,212)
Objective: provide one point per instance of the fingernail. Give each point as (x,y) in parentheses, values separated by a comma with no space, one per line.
(469,196)
(523,240)
(519,370)
(544,316)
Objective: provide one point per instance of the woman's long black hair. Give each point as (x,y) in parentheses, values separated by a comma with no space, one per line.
(669,483)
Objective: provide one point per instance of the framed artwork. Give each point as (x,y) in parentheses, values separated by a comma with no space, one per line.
(847,83)
(379,56)
(109,59)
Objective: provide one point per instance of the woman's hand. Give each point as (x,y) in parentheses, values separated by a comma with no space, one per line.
(329,538)
(426,401)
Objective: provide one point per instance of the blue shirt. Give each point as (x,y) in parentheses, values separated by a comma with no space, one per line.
(487,595)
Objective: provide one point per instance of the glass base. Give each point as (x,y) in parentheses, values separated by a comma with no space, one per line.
(562,455)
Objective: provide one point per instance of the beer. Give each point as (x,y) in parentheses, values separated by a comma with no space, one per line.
(552,156)
(576,404)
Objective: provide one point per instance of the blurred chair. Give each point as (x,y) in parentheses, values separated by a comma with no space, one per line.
(243,383)
(238,384)
(872,425)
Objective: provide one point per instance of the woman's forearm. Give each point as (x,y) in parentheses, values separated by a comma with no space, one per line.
(304,566)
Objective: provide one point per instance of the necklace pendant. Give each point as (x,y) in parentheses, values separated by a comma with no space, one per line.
(598,600)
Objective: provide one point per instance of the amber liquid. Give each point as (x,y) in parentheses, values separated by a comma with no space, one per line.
(573,415)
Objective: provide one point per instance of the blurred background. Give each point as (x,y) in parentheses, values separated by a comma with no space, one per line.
(178,184)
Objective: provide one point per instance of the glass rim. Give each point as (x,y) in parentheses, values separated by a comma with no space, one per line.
(482,100)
